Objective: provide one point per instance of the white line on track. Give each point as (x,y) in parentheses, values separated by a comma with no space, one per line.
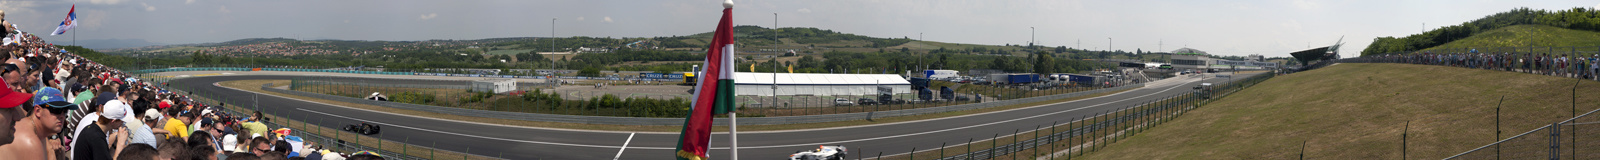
(624,147)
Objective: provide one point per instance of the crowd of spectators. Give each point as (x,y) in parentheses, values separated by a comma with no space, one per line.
(1563,65)
(57,105)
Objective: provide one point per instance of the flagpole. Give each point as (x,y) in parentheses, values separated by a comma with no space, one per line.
(733,134)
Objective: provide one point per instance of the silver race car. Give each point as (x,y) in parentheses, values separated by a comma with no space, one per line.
(821,153)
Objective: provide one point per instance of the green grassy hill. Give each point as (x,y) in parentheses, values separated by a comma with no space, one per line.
(1501,40)
(1359,111)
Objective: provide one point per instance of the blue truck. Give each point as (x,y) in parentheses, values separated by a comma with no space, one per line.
(1022,78)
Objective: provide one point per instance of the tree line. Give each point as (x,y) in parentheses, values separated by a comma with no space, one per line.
(1575,18)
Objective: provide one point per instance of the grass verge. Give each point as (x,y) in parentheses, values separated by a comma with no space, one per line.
(1360,111)
(254,86)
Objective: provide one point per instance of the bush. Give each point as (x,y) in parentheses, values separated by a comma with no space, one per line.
(412,98)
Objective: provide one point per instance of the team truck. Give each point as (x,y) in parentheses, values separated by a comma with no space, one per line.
(925,94)
(1014,78)
(947,94)
(886,95)
(939,74)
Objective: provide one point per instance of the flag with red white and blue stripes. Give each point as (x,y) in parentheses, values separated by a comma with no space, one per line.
(67,24)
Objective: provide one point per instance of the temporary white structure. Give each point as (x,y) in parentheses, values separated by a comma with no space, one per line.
(494,85)
(817,84)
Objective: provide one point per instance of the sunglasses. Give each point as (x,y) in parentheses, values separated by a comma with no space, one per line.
(57,111)
(9,67)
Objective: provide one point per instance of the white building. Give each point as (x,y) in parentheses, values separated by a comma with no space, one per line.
(1192,61)
(496,85)
(790,84)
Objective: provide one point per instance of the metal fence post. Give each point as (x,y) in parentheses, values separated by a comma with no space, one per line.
(1555,141)
(913,154)
(1052,139)
(993,142)
(1013,147)
(969,148)
(406,150)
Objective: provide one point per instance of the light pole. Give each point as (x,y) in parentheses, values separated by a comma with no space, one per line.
(552,44)
(774,61)
(1032,36)
(1108,44)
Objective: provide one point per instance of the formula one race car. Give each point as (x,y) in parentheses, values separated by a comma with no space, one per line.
(363,128)
(821,153)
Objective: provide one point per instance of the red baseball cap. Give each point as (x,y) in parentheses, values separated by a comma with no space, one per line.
(9,98)
(164,105)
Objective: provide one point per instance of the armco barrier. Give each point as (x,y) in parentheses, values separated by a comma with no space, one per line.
(678,121)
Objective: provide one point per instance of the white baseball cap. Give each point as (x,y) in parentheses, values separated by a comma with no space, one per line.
(229,141)
(115,109)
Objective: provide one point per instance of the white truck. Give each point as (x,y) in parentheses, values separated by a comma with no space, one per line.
(940,74)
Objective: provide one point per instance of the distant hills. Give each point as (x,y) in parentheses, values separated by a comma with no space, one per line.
(752,39)
(113,43)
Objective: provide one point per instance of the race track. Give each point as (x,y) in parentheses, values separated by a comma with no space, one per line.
(513,142)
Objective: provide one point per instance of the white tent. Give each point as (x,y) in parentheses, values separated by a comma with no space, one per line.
(789,84)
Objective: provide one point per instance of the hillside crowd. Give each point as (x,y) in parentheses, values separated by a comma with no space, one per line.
(57,105)
(1572,66)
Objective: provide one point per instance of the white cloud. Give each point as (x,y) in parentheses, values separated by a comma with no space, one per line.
(188,2)
(580,18)
(224,9)
(14,8)
(428,16)
(92,19)
(147,7)
(346,21)
(803,10)
(1303,4)
(105,1)
(607,19)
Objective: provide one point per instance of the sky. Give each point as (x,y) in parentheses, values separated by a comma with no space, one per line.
(1267,27)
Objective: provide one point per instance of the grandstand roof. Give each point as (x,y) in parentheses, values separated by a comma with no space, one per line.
(1311,54)
(750,78)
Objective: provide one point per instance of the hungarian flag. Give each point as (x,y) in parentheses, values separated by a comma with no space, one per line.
(713,92)
(67,24)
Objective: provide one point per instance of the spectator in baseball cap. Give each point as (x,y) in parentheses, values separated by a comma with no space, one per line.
(10,112)
(94,142)
(43,119)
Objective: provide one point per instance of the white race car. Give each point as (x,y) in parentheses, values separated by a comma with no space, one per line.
(821,153)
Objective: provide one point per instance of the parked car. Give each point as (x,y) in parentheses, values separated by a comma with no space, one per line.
(866,101)
(842,102)
(963,98)
(895,101)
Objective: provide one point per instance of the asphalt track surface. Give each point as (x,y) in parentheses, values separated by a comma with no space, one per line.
(516,142)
